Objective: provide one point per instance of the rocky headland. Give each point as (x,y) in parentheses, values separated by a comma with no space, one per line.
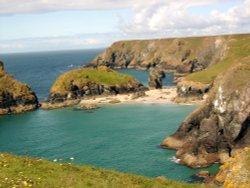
(85,83)
(221,124)
(15,97)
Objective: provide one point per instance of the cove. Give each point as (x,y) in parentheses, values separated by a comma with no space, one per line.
(123,137)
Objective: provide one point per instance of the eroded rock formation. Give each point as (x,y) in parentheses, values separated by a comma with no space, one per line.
(155,78)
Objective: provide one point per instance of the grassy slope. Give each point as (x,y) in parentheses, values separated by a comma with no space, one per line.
(30,172)
(239,50)
(81,76)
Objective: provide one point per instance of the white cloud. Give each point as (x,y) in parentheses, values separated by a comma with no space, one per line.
(172,18)
(150,19)
(36,6)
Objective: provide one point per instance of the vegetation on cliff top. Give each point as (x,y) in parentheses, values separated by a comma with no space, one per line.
(32,172)
(171,51)
(238,51)
(85,75)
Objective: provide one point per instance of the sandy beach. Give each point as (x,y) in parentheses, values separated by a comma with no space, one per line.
(152,96)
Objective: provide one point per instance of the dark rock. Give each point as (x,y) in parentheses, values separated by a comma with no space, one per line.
(1,66)
(155,78)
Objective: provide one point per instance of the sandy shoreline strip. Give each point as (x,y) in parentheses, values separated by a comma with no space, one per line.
(165,95)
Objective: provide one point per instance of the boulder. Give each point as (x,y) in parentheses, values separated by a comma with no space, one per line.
(202,174)
(114,101)
(88,106)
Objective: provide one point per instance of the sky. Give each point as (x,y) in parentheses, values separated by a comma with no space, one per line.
(45,25)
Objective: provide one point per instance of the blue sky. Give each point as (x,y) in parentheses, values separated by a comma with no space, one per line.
(42,25)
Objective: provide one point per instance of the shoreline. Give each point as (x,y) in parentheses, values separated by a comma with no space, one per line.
(152,96)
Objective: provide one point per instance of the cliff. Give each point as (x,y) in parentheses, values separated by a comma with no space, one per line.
(15,97)
(199,83)
(184,55)
(220,124)
(87,82)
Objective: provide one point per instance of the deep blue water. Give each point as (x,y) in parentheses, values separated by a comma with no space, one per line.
(124,137)
(40,69)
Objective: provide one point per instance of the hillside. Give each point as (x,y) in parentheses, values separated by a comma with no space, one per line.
(15,97)
(32,172)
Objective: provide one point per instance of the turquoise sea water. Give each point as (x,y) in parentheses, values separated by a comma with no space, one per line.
(124,137)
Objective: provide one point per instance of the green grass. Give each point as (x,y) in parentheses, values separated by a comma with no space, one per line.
(239,49)
(31,172)
(82,76)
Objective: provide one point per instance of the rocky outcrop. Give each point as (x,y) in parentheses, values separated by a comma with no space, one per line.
(88,106)
(155,78)
(84,83)
(190,91)
(219,125)
(183,55)
(15,97)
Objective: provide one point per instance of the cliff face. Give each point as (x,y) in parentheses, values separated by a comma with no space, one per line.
(184,55)
(219,125)
(15,97)
(87,82)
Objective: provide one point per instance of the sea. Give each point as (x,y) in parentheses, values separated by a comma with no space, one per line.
(123,137)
